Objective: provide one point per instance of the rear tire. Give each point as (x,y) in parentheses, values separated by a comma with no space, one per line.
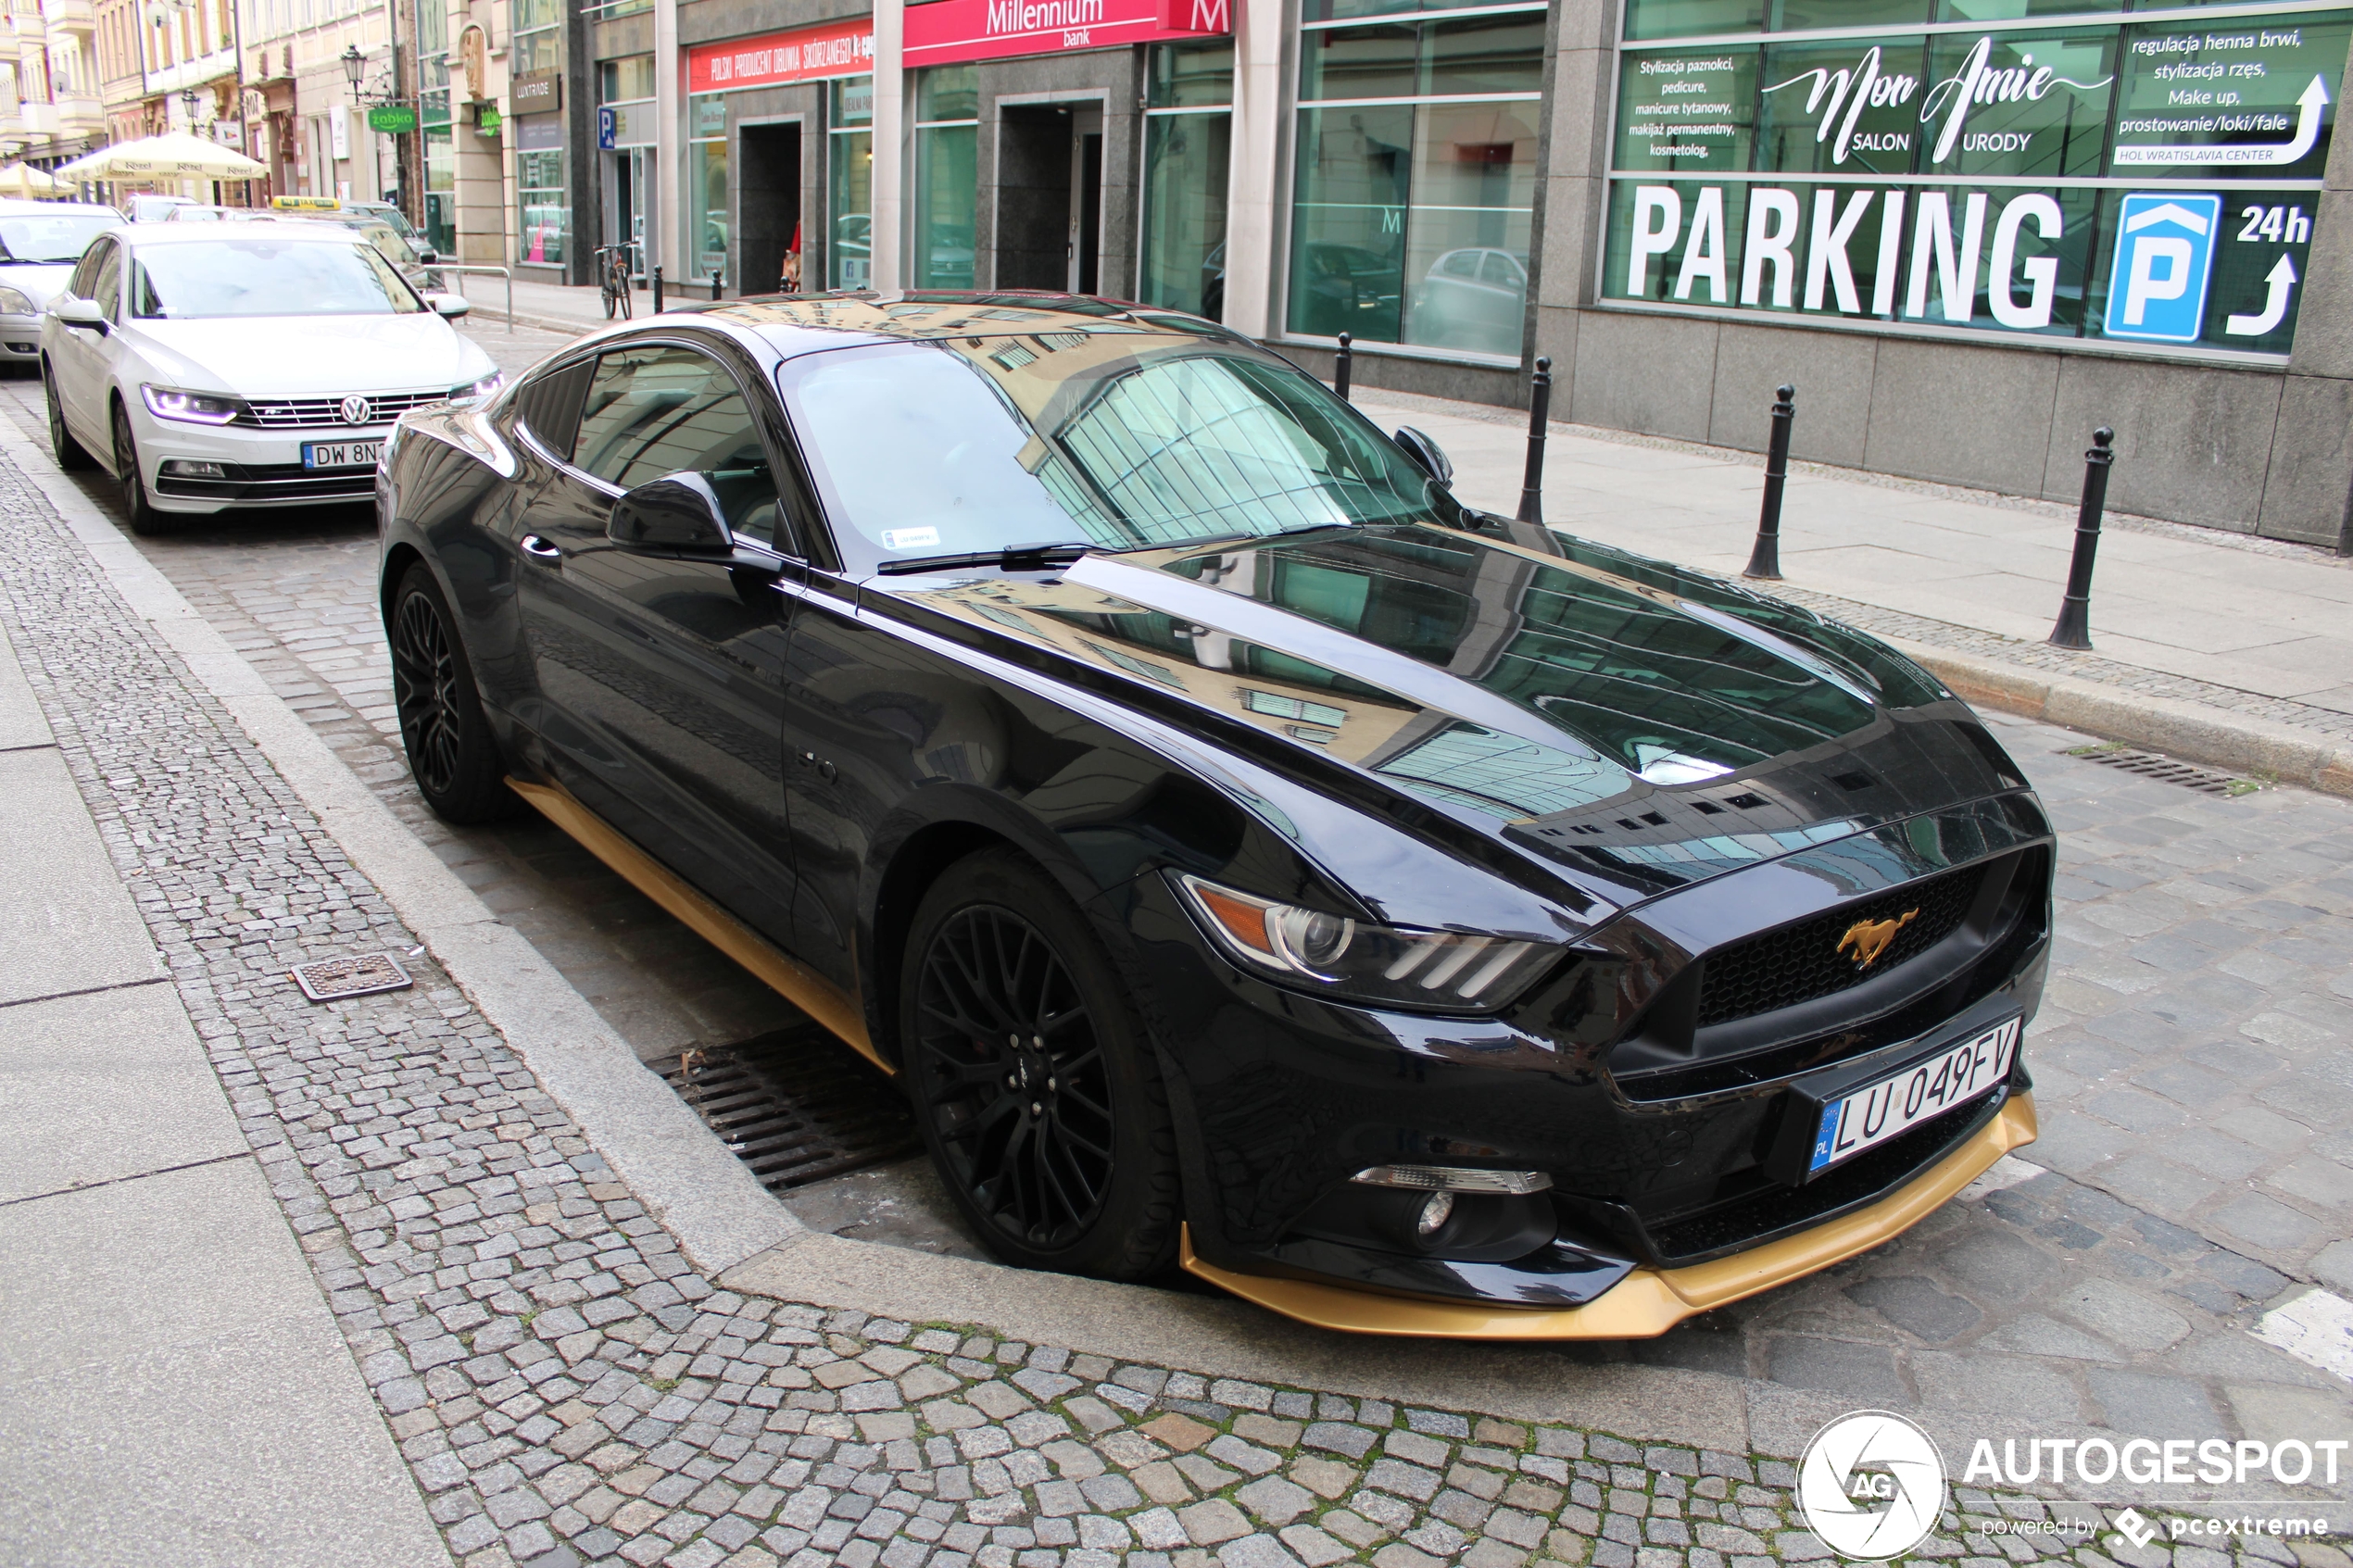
(1034,1083)
(139,507)
(70,454)
(453,756)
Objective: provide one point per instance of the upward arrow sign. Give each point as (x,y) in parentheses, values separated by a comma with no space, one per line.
(2260,154)
(2282,278)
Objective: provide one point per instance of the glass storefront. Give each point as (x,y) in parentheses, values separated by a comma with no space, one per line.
(1414,198)
(850,183)
(441,152)
(946,176)
(707,186)
(1189,134)
(542,204)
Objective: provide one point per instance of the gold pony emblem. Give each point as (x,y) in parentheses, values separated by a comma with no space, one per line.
(1870,938)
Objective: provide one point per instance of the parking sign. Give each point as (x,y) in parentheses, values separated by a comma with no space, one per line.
(2164,253)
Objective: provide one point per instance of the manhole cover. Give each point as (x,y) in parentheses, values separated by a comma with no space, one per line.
(796,1106)
(2164,770)
(330,980)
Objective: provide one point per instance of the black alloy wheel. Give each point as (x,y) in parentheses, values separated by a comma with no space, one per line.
(138,507)
(1035,1084)
(452,753)
(70,454)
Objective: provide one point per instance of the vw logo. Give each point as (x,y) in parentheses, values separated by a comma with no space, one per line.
(355,410)
(1871,1486)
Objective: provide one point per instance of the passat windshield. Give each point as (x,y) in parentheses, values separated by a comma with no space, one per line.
(261,277)
(58,237)
(1117,441)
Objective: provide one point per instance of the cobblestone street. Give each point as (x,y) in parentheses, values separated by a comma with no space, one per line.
(568,1388)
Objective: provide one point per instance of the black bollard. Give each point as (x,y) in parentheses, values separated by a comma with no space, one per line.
(657,291)
(1540,404)
(2074,627)
(1764,561)
(1341,366)
(718,284)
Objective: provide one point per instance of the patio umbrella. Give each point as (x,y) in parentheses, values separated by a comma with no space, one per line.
(173,156)
(28,184)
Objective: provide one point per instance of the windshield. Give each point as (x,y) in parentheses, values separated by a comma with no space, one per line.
(975,445)
(53,236)
(244,277)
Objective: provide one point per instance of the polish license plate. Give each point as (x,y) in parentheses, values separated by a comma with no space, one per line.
(1872,1114)
(342,454)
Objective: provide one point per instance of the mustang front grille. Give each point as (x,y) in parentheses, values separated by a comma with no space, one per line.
(323,413)
(1816,958)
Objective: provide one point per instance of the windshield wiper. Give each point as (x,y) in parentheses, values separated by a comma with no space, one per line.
(1013,558)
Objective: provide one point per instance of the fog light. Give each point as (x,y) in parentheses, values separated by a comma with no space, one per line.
(192,468)
(1434,1214)
(1453,1178)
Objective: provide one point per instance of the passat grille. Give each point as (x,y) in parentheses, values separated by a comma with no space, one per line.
(317,413)
(1803,963)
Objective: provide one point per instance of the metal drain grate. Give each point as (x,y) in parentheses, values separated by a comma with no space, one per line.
(330,980)
(2164,770)
(795,1105)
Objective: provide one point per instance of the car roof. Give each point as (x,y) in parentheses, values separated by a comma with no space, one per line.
(214,234)
(805,324)
(11,206)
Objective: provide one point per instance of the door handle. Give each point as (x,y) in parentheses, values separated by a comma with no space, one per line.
(541,549)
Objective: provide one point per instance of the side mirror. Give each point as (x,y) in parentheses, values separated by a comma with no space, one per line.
(451,305)
(679,515)
(427,255)
(1426,454)
(86,314)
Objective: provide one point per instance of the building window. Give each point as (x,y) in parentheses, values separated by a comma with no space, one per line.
(850,183)
(541,204)
(1188,135)
(946,176)
(707,185)
(538,46)
(441,151)
(1415,189)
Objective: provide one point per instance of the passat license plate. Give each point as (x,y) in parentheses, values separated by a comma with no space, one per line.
(1878,1112)
(342,454)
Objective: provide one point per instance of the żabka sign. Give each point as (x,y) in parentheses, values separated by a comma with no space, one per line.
(809,53)
(949,31)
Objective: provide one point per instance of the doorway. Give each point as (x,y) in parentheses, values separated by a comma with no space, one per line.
(629,196)
(767,203)
(1050,196)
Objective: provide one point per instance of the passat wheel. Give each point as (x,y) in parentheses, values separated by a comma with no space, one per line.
(138,507)
(69,453)
(452,753)
(1035,1084)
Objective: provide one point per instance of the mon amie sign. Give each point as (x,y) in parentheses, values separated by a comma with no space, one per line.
(951,32)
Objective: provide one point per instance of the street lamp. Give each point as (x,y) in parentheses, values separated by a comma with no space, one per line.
(353,66)
(188,102)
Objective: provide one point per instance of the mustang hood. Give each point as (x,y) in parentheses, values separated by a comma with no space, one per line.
(1635,725)
(312,356)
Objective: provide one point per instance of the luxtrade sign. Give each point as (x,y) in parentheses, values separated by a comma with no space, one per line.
(950,32)
(2152,182)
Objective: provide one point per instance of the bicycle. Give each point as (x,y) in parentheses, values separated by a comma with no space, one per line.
(616,267)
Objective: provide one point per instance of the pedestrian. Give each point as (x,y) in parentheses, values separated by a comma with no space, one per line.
(791,280)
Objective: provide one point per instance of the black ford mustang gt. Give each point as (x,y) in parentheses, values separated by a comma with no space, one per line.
(1244,853)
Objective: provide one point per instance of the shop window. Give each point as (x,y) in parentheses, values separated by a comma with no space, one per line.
(1187,148)
(625,80)
(850,183)
(707,188)
(946,176)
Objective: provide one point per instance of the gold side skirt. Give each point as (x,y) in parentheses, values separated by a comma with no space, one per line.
(794,980)
(1648,1301)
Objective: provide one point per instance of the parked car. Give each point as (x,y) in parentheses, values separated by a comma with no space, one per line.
(210,367)
(1343,288)
(39,241)
(1244,854)
(1475,298)
(148,207)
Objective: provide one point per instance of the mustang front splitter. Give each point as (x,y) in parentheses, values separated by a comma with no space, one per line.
(1649,1302)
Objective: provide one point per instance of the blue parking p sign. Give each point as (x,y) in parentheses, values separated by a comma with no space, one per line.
(2164,254)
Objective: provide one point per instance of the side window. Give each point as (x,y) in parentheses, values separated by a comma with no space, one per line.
(1462,264)
(107,291)
(1498,269)
(85,271)
(548,401)
(664,410)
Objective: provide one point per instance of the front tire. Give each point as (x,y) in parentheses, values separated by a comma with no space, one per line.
(70,454)
(139,507)
(453,756)
(1034,1083)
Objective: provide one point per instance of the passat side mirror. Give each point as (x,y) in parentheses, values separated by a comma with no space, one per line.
(450,306)
(427,255)
(84,313)
(1426,454)
(679,515)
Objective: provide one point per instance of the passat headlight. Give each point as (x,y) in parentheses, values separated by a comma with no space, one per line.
(194,408)
(1436,971)
(13,303)
(474,392)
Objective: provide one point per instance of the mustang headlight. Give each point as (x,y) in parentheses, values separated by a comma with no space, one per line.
(13,303)
(474,392)
(194,408)
(1431,971)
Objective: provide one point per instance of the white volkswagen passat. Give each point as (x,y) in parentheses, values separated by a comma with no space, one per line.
(214,366)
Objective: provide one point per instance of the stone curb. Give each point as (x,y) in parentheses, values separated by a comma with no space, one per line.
(2185,729)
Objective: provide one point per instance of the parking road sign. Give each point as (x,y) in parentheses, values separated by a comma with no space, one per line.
(2164,254)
